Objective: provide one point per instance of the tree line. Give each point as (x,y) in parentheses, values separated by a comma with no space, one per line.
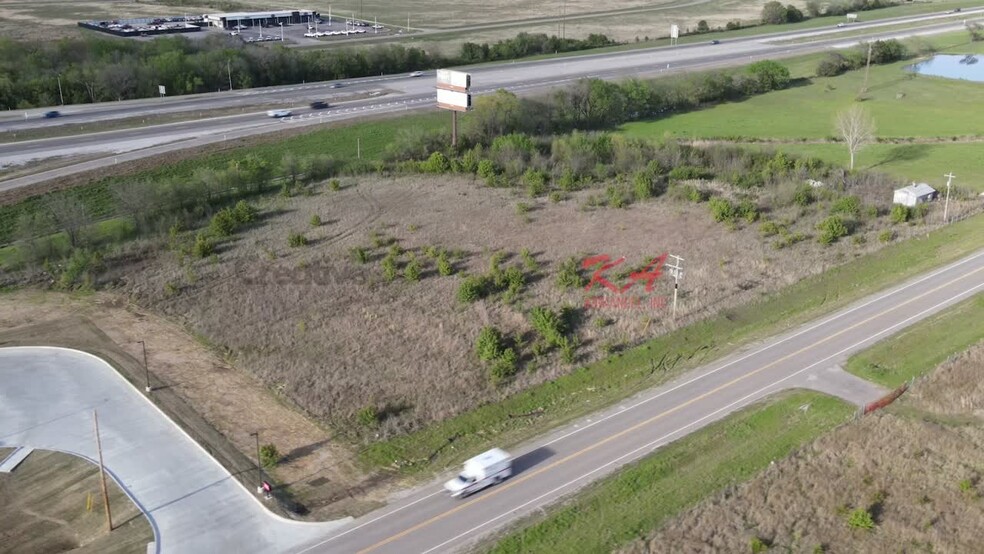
(97,69)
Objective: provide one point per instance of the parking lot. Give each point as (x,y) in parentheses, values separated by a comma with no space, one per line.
(340,29)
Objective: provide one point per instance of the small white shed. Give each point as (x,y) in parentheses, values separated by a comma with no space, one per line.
(916,193)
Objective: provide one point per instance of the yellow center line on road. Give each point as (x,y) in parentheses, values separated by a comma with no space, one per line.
(515,482)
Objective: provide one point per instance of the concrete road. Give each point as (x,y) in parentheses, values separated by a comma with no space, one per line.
(546,470)
(396,93)
(47,396)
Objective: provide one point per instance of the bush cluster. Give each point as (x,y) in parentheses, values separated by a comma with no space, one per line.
(882,52)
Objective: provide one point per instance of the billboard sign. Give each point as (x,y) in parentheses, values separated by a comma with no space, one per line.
(674,31)
(454,100)
(453,80)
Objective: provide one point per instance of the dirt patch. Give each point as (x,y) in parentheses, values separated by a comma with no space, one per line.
(215,402)
(53,502)
(335,337)
(915,469)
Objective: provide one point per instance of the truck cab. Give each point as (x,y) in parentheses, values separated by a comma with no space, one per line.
(484,470)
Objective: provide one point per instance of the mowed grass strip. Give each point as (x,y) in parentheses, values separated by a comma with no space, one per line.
(920,348)
(524,415)
(633,501)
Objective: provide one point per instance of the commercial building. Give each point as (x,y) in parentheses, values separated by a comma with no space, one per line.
(256,19)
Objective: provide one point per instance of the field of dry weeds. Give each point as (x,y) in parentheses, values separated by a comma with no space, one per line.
(333,336)
(916,469)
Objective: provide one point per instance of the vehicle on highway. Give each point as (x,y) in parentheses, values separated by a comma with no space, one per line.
(336,85)
(52,114)
(715,42)
(279,113)
(484,470)
(416,73)
(318,105)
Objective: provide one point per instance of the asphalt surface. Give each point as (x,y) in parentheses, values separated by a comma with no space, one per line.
(47,396)
(393,94)
(547,469)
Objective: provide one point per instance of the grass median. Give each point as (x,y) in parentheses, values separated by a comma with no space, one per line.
(619,508)
(920,348)
(587,389)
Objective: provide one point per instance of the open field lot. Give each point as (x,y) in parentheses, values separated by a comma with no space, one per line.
(335,337)
(53,502)
(907,479)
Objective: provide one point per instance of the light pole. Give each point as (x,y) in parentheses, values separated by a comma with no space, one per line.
(259,468)
(281,31)
(60,95)
(146,369)
(946,205)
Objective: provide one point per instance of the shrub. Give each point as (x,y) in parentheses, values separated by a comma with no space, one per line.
(615,197)
(436,163)
(529,262)
(757,545)
(269,455)
(513,281)
(204,247)
(860,518)
(722,209)
(315,220)
(748,211)
(831,66)
(489,345)
(444,266)
(788,239)
(359,254)
(569,276)
(504,367)
(412,271)
(522,208)
(368,416)
(223,223)
(644,185)
(568,181)
(535,181)
(687,172)
(803,195)
(847,205)
(548,324)
(886,236)
(900,213)
(473,288)
(389,268)
(296,240)
(832,229)
(769,228)
(335,185)
(486,170)
(244,213)
(79,269)
(568,350)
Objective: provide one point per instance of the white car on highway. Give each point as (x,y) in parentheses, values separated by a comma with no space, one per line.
(484,470)
(279,113)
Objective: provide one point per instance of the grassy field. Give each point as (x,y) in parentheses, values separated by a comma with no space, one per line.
(614,511)
(920,348)
(52,503)
(598,384)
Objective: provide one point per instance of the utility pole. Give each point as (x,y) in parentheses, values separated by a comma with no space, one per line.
(454,128)
(329,15)
(281,31)
(102,474)
(408,22)
(563,22)
(259,467)
(676,270)
(229,71)
(358,148)
(60,95)
(146,369)
(946,205)
(375,25)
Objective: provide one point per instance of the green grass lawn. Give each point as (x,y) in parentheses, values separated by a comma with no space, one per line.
(920,348)
(639,498)
(589,388)
(916,162)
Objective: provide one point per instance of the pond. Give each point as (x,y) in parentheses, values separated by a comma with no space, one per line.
(969,67)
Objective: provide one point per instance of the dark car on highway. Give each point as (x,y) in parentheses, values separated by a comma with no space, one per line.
(319,105)
(52,114)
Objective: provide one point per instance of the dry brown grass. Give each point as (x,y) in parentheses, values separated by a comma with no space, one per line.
(43,509)
(916,468)
(350,339)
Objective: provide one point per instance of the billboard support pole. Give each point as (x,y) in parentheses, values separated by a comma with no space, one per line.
(454,128)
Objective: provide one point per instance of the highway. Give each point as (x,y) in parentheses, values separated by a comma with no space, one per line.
(390,94)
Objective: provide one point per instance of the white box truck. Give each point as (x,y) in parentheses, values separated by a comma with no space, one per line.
(486,469)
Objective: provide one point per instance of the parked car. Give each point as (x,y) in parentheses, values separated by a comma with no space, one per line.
(318,105)
(52,114)
(278,113)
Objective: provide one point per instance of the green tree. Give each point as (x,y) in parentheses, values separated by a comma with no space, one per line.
(832,229)
(269,456)
(773,13)
(702,26)
(489,344)
(769,75)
